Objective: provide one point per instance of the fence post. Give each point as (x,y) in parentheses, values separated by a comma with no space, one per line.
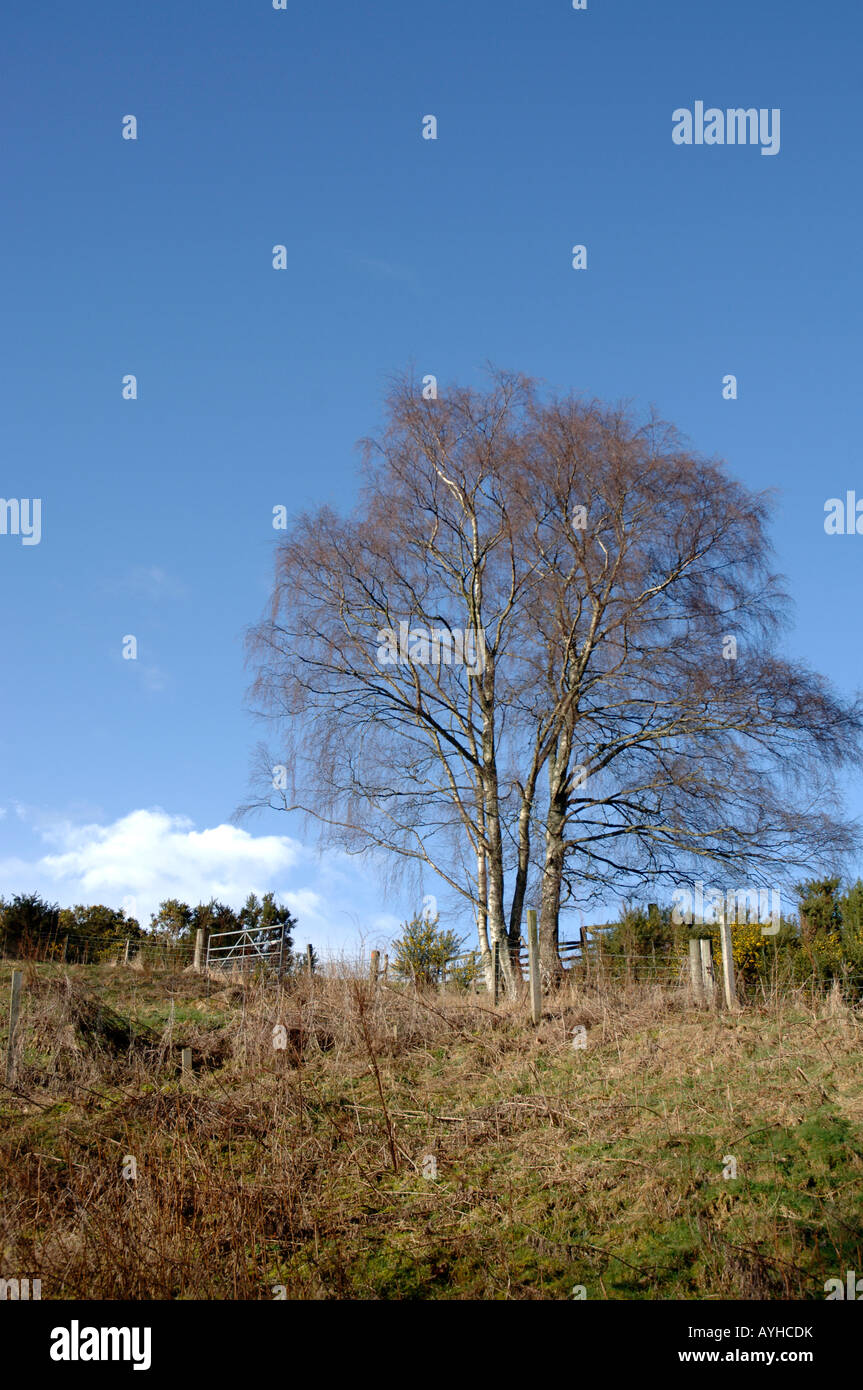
(727,963)
(186,1061)
(310,960)
(14,1006)
(708,975)
(386,966)
(495,972)
(282,953)
(373,967)
(65,944)
(695,967)
(533,966)
(199,949)
(585,959)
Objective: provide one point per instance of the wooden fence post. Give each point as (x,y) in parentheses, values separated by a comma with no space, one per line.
(495,972)
(585,959)
(708,975)
(199,949)
(310,960)
(727,964)
(14,1006)
(373,967)
(386,967)
(533,966)
(186,1061)
(695,973)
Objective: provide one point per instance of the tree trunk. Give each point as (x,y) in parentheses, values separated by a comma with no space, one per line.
(549,917)
(482,907)
(494,861)
(555,834)
(520,886)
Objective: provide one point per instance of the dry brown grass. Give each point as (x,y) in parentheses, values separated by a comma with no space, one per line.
(307,1168)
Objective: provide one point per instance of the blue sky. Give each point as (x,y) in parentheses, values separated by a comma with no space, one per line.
(303,127)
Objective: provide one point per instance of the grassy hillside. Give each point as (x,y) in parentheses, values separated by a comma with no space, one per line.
(425,1147)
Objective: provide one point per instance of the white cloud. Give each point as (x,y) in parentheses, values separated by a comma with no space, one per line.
(151,855)
(138,860)
(305,903)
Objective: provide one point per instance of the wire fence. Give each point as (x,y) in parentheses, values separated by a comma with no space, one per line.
(593,960)
(71,948)
(591,956)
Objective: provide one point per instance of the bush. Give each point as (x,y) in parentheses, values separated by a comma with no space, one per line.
(643,936)
(422,951)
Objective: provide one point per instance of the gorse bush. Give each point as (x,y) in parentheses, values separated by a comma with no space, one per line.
(422,951)
(642,932)
(830,940)
(824,945)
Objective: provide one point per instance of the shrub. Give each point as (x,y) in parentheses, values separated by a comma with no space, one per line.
(422,951)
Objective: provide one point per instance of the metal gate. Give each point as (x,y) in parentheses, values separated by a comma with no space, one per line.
(247,949)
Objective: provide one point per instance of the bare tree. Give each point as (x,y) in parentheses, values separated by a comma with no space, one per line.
(688,741)
(381,650)
(540,594)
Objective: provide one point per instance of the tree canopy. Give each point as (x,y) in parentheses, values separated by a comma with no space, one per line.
(541,655)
